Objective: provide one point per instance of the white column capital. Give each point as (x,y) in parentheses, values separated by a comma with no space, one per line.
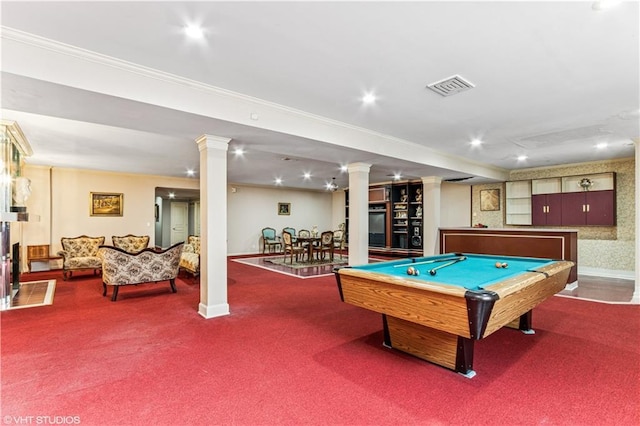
(359,167)
(211,141)
(429,180)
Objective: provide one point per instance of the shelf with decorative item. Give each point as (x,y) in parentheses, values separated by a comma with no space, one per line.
(592,182)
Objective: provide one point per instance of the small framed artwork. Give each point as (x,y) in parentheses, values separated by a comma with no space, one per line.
(284,208)
(490,199)
(105,204)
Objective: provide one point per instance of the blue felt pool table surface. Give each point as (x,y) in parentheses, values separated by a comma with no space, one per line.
(475,272)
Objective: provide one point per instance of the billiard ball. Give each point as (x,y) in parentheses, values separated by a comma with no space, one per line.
(505,265)
(498,264)
(416,272)
(411,270)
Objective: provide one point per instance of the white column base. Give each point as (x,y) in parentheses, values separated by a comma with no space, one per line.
(214,310)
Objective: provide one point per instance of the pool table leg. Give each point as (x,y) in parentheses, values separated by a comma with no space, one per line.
(439,347)
(523,323)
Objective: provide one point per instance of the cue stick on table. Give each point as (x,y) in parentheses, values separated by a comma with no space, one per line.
(446,259)
(434,270)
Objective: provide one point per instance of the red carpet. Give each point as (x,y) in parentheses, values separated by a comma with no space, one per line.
(292,353)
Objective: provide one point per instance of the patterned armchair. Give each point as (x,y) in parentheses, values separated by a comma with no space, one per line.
(131,243)
(80,253)
(121,268)
(190,259)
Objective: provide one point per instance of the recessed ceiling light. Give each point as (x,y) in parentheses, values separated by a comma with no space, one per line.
(278,181)
(605,4)
(602,145)
(307,175)
(397,176)
(522,157)
(191,172)
(172,195)
(344,168)
(194,31)
(369,98)
(476,142)
(238,151)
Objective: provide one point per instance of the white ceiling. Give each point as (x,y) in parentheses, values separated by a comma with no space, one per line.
(552,79)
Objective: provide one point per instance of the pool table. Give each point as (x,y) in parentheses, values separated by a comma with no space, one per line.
(437,316)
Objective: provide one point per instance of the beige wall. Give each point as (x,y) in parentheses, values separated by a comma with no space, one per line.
(252,208)
(60,197)
(602,250)
(455,199)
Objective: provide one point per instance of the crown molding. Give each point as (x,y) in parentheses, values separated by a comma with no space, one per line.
(412,150)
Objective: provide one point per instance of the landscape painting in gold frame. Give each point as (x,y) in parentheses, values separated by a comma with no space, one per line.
(105,204)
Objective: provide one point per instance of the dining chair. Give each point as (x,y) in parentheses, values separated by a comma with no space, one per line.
(326,245)
(289,248)
(270,240)
(292,231)
(338,241)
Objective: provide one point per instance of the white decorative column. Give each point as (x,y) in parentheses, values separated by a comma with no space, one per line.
(431,214)
(213,223)
(636,294)
(359,213)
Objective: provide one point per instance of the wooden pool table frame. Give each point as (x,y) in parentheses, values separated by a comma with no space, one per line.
(439,323)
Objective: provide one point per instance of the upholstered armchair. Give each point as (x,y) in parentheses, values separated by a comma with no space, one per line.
(131,243)
(190,258)
(270,240)
(80,253)
(120,268)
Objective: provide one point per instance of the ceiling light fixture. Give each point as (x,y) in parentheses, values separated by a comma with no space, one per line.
(522,157)
(397,176)
(332,186)
(605,4)
(344,168)
(194,31)
(307,176)
(191,172)
(278,181)
(476,142)
(369,98)
(602,145)
(238,152)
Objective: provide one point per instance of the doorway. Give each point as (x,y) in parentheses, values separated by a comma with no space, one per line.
(170,213)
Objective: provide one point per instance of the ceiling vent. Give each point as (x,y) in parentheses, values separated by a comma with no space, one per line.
(451,86)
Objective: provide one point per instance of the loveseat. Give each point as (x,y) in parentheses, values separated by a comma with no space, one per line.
(190,259)
(121,268)
(80,253)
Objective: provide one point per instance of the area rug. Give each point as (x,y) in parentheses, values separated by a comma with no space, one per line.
(297,269)
(296,265)
(34,293)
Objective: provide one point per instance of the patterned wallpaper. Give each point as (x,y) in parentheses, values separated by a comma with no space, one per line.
(610,248)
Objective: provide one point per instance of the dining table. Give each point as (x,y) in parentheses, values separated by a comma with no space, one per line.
(310,243)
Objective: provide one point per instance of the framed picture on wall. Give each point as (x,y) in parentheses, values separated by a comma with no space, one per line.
(490,199)
(284,208)
(105,204)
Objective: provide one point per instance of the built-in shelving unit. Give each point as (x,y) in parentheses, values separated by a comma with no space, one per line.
(518,203)
(395,217)
(580,200)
